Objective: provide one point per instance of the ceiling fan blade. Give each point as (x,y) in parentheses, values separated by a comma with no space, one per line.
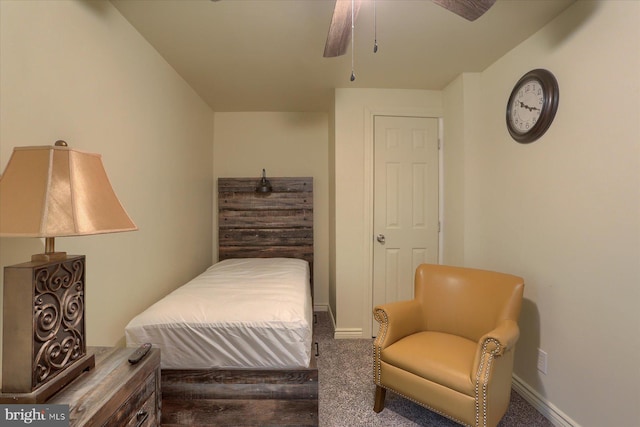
(468,9)
(340,28)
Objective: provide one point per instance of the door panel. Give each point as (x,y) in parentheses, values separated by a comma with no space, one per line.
(405,203)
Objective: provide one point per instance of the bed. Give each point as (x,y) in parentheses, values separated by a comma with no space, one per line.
(236,341)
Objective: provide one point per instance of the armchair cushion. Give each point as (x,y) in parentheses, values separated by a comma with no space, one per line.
(441,358)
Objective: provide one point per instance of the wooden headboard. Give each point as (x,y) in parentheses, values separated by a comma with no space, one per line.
(255,225)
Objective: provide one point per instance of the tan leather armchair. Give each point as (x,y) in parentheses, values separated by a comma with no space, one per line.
(451,348)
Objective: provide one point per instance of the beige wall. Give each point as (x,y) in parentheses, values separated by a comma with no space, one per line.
(354,111)
(563,212)
(78,71)
(285,144)
(332,212)
(460,106)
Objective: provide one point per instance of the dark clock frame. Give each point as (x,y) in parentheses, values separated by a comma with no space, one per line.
(551,90)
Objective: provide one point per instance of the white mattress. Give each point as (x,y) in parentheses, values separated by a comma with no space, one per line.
(239,313)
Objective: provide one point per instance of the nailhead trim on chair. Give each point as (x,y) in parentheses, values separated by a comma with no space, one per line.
(383,319)
(489,355)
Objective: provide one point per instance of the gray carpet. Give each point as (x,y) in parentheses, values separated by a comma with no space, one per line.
(345,369)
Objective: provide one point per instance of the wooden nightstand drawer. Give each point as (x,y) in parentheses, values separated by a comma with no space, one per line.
(145,416)
(115,393)
(139,409)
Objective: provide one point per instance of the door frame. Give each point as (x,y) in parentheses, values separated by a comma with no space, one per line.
(368,197)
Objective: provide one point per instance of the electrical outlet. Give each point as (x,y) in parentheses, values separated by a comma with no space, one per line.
(542,361)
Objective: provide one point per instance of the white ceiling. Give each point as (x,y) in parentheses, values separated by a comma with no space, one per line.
(266,55)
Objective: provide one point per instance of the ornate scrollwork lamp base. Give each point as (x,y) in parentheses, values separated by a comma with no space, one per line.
(43,337)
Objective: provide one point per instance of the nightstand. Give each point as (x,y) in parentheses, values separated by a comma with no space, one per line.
(115,393)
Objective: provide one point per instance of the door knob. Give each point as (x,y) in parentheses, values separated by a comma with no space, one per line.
(380,238)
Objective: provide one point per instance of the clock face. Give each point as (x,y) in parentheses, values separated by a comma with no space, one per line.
(527,106)
(532,105)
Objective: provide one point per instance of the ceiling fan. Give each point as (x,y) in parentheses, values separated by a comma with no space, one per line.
(344,16)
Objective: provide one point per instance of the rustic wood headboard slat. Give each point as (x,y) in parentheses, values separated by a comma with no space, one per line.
(265,236)
(280,185)
(273,201)
(300,252)
(287,218)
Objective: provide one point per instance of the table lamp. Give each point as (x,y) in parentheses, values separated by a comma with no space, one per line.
(50,191)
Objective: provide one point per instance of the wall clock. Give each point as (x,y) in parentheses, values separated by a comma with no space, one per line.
(532,105)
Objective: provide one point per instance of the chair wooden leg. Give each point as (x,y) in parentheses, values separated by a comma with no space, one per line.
(378,404)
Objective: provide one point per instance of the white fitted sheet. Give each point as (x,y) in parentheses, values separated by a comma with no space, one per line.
(239,313)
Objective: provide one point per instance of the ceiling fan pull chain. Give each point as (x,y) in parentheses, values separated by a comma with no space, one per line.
(353,36)
(375,29)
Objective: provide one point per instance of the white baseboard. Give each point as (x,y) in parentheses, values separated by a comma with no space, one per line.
(327,308)
(339,333)
(542,405)
(347,333)
(332,317)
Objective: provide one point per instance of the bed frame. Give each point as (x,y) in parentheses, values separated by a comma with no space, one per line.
(252,225)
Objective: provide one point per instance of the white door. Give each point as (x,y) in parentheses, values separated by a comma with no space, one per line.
(405,217)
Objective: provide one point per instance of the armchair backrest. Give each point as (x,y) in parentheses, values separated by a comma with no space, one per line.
(466,302)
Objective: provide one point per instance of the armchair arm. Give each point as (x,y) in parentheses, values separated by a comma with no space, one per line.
(397,320)
(498,341)
(492,369)
(506,334)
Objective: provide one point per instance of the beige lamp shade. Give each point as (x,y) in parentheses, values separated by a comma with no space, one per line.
(55,191)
